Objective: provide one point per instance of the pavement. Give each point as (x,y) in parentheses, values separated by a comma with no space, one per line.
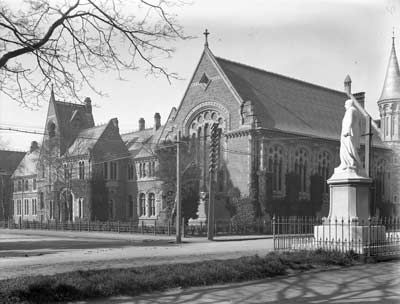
(369,283)
(41,252)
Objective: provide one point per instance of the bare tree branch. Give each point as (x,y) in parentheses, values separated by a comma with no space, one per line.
(66,42)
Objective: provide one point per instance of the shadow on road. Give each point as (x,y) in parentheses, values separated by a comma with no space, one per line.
(378,283)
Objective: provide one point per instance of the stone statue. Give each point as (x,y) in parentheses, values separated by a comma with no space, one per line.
(350,138)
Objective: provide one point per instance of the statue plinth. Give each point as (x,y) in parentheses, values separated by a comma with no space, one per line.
(349,194)
(348,223)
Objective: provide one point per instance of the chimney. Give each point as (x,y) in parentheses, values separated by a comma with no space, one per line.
(360,96)
(88,104)
(141,124)
(115,122)
(34,146)
(157,121)
(347,84)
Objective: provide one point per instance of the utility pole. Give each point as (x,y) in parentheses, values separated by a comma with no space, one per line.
(214,148)
(178,190)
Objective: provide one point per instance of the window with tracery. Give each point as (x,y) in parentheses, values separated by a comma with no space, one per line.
(275,160)
(324,167)
(300,167)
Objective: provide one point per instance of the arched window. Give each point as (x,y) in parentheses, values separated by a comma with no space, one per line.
(41,197)
(275,167)
(142,204)
(152,204)
(80,208)
(324,167)
(81,169)
(300,167)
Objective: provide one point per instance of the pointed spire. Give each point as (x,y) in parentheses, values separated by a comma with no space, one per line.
(347,84)
(391,86)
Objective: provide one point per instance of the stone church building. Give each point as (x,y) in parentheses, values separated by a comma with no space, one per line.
(279,144)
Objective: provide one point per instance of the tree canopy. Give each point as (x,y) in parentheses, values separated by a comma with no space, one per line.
(66,42)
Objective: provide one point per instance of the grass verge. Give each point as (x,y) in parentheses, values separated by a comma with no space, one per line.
(81,285)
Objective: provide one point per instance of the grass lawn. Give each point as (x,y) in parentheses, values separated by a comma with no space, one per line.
(83,285)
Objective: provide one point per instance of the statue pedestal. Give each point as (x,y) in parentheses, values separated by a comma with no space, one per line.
(201,211)
(347,225)
(349,195)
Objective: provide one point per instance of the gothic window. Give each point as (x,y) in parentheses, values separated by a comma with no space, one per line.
(34,206)
(113,170)
(152,204)
(26,207)
(153,168)
(300,167)
(26,187)
(142,204)
(81,169)
(144,169)
(19,208)
(19,185)
(34,184)
(130,171)
(41,198)
(105,170)
(275,167)
(324,167)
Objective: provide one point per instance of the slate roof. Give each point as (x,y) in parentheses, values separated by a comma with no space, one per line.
(287,104)
(9,160)
(28,165)
(86,139)
(65,111)
(142,143)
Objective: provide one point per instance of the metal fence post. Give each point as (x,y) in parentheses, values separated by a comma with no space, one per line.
(273,230)
(369,238)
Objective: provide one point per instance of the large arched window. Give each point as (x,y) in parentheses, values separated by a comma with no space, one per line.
(324,167)
(275,166)
(152,204)
(300,167)
(142,204)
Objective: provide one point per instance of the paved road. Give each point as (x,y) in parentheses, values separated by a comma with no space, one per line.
(372,283)
(31,252)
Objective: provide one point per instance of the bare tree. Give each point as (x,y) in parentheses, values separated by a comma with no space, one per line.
(65,42)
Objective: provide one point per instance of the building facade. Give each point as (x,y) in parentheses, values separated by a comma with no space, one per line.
(278,145)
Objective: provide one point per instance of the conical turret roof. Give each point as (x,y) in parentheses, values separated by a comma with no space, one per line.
(391,86)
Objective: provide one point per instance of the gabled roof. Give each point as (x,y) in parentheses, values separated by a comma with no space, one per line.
(9,160)
(287,104)
(391,86)
(86,139)
(65,112)
(28,165)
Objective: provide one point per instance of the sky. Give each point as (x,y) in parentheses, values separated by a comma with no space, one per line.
(315,41)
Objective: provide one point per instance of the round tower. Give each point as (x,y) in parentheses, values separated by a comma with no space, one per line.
(389,102)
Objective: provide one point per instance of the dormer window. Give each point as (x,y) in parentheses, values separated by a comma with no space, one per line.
(51,127)
(205,81)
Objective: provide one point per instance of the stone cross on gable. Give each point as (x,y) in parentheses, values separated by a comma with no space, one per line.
(206,33)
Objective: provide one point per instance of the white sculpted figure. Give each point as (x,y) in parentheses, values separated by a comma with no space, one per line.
(350,138)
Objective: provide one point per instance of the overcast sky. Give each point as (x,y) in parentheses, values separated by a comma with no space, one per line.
(315,41)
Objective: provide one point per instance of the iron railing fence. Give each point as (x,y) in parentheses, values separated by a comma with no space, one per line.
(372,237)
(221,228)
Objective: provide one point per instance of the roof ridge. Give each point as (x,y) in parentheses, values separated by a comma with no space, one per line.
(280,75)
(146,129)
